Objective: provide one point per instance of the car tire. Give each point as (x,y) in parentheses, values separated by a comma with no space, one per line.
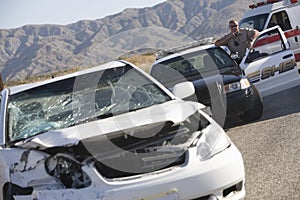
(9,190)
(256,111)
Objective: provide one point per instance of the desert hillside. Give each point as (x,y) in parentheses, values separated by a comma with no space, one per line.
(38,50)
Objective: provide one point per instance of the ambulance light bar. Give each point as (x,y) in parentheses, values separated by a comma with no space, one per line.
(262,3)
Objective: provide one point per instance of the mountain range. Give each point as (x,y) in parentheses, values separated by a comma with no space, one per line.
(33,50)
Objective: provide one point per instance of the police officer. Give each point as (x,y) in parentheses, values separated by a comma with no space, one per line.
(238,40)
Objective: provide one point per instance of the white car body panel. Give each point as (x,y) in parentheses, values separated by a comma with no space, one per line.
(26,165)
(260,71)
(199,178)
(291,18)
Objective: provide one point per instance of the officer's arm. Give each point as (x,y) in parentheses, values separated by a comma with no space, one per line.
(224,40)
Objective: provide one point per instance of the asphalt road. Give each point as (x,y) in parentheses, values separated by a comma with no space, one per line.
(271,148)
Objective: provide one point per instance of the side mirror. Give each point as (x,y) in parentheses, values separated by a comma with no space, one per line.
(184,89)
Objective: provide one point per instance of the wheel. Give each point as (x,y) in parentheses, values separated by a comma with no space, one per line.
(256,111)
(9,190)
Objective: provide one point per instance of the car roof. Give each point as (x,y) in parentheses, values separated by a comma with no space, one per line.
(266,9)
(21,88)
(184,52)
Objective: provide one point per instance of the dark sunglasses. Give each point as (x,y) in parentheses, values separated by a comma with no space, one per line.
(233,26)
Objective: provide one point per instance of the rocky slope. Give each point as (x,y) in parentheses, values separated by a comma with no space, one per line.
(38,49)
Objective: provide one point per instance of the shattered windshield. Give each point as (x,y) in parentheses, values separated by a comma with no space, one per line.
(80,99)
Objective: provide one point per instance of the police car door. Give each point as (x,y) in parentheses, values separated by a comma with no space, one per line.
(270,64)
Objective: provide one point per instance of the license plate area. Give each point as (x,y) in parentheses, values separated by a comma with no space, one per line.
(169,195)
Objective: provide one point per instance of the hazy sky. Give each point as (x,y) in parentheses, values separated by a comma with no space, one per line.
(16,13)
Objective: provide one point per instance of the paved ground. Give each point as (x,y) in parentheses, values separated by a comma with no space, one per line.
(271,148)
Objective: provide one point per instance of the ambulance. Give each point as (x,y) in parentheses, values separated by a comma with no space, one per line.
(269,13)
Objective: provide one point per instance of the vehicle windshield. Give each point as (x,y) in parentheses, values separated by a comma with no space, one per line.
(256,22)
(80,99)
(191,65)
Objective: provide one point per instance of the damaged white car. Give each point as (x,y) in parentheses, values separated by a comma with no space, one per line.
(113,132)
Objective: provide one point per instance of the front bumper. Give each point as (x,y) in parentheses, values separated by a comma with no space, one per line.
(240,101)
(221,176)
(236,103)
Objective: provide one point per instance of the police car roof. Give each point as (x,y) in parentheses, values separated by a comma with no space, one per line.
(184,52)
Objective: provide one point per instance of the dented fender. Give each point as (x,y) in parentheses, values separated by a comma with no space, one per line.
(26,169)
(6,162)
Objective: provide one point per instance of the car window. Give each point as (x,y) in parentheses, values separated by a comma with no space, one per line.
(190,65)
(281,19)
(256,22)
(266,45)
(77,100)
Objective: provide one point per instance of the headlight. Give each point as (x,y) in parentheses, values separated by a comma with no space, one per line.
(243,84)
(68,171)
(212,141)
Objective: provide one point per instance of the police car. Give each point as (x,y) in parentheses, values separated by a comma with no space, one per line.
(218,80)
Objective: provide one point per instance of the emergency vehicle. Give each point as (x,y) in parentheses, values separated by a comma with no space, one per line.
(269,13)
(218,81)
(270,63)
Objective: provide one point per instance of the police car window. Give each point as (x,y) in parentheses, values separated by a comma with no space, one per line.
(281,19)
(193,64)
(256,22)
(222,59)
(267,44)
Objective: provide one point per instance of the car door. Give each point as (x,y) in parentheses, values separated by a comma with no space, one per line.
(270,64)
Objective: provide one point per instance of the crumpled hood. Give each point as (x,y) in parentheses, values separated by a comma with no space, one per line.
(175,111)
